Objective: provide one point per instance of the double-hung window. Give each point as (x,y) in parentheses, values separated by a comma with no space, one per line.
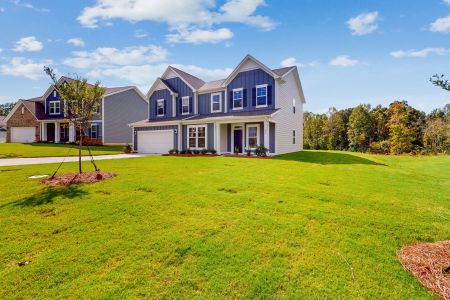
(261,95)
(197,137)
(54,107)
(94,131)
(252,136)
(160,107)
(238,98)
(216,102)
(185,105)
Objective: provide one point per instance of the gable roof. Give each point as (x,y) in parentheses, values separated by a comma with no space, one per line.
(33,105)
(193,81)
(155,84)
(283,71)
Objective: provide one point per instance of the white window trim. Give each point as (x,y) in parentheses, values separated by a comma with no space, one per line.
(96,131)
(247,135)
(164,111)
(220,102)
(188,105)
(196,137)
(50,107)
(256,96)
(237,90)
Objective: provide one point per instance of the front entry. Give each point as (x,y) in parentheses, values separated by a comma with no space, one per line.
(50,132)
(237,147)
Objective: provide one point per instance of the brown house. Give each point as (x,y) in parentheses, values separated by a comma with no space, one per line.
(22,124)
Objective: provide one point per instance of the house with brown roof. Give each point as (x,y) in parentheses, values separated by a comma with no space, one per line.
(254,106)
(42,119)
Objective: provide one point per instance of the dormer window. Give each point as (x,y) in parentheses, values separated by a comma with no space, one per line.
(261,95)
(238,99)
(54,107)
(216,102)
(160,107)
(185,105)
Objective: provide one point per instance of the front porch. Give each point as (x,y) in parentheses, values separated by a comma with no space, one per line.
(57,132)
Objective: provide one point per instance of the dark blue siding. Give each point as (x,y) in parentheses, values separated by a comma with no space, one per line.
(154,128)
(160,94)
(47,106)
(210,135)
(204,103)
(178,85)
(248,80)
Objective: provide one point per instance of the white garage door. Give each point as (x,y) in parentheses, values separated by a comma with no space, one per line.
(23,134)
(160,141)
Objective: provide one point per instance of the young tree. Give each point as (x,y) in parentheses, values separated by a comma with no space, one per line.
(313,128)
(436,136)
(81,100)
(401,134)
(359,128)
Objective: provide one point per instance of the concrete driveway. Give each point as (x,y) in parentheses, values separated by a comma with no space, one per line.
(6,162)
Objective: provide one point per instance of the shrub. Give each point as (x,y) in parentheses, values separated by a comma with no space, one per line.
(382,147)
(127,149)
(183,151)
(195,151)
(173,151)
(188,151)
(236,150)
(212,151)
(261,150)
(249,152)
(204,151)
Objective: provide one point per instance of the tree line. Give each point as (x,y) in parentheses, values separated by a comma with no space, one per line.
(396,129)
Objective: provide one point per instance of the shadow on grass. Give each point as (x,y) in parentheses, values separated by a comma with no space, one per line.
(48,195)
(327,158)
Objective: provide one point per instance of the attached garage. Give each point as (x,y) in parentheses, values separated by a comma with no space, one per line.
(159,141)
(23,134)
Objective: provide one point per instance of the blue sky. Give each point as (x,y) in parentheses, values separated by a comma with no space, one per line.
(348,51)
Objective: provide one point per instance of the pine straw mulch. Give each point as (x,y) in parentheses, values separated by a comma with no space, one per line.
(76,178)
(430,263)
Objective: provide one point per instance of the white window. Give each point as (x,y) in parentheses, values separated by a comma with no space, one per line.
(293,137)
(54,107)
(197,137)
(216,102)
(94,131)
(64,132)
(252,136)
(293,105)
(23,110)
(160,107)
(185,105)
(238,98)
(54,94)
(261,95)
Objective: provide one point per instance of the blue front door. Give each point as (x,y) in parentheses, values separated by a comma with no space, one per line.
(237,140)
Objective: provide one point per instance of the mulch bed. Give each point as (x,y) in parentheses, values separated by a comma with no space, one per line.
(76,178)
(246,156)
(191,155)
(430,263)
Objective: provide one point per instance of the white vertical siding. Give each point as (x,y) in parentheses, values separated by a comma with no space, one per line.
(286,120)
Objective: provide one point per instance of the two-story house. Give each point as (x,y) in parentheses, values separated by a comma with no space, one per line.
(42,119)
(254,105)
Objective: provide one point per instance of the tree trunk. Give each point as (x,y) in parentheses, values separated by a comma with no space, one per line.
(79,151)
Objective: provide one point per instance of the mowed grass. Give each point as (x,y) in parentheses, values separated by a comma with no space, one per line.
(174,227)
(13,150)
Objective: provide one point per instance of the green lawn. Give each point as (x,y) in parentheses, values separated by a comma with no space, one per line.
(175,227)
(13,150)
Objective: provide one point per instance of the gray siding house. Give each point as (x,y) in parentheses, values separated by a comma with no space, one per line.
(109,126)
(254,105)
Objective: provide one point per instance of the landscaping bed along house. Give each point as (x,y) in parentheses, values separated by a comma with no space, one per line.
(259,152)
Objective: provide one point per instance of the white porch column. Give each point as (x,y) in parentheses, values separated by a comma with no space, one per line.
(174,106)
(180,135)
(217,137)
(43,132)
(57,132)
(266,134)
(71,133)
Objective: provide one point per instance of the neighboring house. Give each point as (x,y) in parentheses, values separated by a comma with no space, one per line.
(2,129)
(42,119)
(253,106)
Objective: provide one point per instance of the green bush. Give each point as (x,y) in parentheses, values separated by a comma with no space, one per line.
(188,151)
(204,151)
(173,151)
(127,149)
(382,147)
(261,150)
(249,152)
(212,151)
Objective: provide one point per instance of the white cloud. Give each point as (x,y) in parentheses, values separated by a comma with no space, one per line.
(29,6)
(2,9)
(139,33)
(419,53)
(441,25)
(103,57)
(28,44)
(204,73)
(447,2)
(290,61)
(199,36)
(343,61)
(77,42)
(364,23)
(187,19)
(23,67)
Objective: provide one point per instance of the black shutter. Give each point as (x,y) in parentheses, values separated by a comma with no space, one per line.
(269,95)
(156,108)
(178,101)
(244,96)
(253,96)
(165,106)
(191,105)
(231,99)
(89,132)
